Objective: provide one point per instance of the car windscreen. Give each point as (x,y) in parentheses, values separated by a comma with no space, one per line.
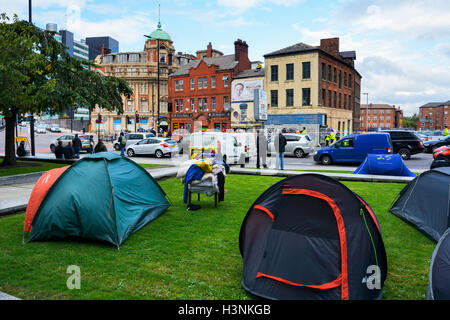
(170,141)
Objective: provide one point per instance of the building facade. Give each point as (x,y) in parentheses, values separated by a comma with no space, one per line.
(101,45)
(380,116)
(148,107)
(434,116)
(312,85)
(200,90)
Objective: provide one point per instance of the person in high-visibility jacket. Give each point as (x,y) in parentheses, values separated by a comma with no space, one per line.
(327,140)
(445,132)
(332,136)
(304,131)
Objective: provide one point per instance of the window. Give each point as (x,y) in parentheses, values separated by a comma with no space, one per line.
(340,101)
(329,98)
(226,104)
(192,104)
(176,105)
(306,68)
(289,97)
(323,71)
(200,104)
(144,105)
(345,79)
(225,81)
(144,88)
(181,105)
(205,104)
(273,73)
(213,103)
(205,82)
(349,80)
(274,98)
(290,71)
(334,99)
(334,75)
(340,79)
(345,101)
(306,94)
(176,85)
(213,82)
(181,85)
(324,93)
(192,83)
(349,102)
(200,83)
(329,73)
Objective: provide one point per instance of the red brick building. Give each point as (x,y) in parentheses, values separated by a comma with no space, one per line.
(200,91)
(434,116)
(381,116)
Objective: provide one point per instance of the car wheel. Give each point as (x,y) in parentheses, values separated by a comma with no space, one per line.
(404,153)
(130,153)
(52,148)
(159,154)
(116,147)
(299,153)
(326,160)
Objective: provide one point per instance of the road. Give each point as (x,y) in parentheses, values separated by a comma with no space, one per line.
(42,144)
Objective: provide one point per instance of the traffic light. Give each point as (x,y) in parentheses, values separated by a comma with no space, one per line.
(137,117)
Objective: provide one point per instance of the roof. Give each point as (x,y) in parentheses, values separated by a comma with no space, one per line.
(222,62)
(348,54)
(250,73)
(377,106)
(435,104)
(298,47)
(160,34)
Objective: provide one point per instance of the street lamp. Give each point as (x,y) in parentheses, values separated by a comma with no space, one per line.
(367,108)
(33,149)
(157,49)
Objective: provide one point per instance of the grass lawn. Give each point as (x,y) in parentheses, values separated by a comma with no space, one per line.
(189,254)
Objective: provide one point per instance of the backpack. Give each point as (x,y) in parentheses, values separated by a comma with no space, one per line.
(123,140)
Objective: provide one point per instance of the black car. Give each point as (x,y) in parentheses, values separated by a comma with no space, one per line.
(431,145)
(405,143)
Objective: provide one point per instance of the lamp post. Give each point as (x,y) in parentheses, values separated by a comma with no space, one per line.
(158,79)
(367,109)
(33,149)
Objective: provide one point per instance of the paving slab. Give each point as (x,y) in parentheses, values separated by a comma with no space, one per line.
(4,296)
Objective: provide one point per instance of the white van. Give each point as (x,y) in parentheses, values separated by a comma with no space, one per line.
(211,144)
(247,140)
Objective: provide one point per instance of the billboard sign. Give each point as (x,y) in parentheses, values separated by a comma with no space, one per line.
(243,90)
(260,105)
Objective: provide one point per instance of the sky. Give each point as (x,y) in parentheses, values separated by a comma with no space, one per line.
(402,46)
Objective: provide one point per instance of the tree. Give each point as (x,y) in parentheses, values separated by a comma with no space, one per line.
(410,122)
(38,75)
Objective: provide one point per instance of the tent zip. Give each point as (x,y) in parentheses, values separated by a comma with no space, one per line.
(361,212)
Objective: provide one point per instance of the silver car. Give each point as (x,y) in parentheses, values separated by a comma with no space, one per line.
(132,138)
(298,145)
(153,146)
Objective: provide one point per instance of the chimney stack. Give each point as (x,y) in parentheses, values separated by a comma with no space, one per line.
(241,55)
(330,45)
(209,51)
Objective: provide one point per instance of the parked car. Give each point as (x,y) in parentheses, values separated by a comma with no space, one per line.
(40,129)
(54,128)
(68,137)
(132,138)
(354,148)
(210,144)
(159,147)
(432,145)
(298,145)
(405,143)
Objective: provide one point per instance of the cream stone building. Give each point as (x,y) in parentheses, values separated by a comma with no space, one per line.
(312,87)
(140,70)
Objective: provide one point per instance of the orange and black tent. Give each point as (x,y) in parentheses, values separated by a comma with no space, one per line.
(310,237)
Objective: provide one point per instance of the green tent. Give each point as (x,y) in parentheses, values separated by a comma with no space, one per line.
(102,197)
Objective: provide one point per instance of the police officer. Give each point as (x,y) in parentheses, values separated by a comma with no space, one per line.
(304,131)
(332,136)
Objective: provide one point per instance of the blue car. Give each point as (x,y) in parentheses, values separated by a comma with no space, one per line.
(354,148)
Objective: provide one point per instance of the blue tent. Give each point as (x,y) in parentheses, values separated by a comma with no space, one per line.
(384,164)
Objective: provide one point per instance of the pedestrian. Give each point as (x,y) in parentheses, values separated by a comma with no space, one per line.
(122,144)
(445,132)
(280,146)
(261,142)
(91,144)
(100,147)
(304,131)
(21,152)
(169,133)
(59,150)
(338,136)
(327,140)
(68,151)
(76,143)
(332,136)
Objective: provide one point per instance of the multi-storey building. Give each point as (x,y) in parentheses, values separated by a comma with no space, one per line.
(76,48)
(313,85)
(200,90)
(148,104)
(434,116)
(99,45)
(381,116)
